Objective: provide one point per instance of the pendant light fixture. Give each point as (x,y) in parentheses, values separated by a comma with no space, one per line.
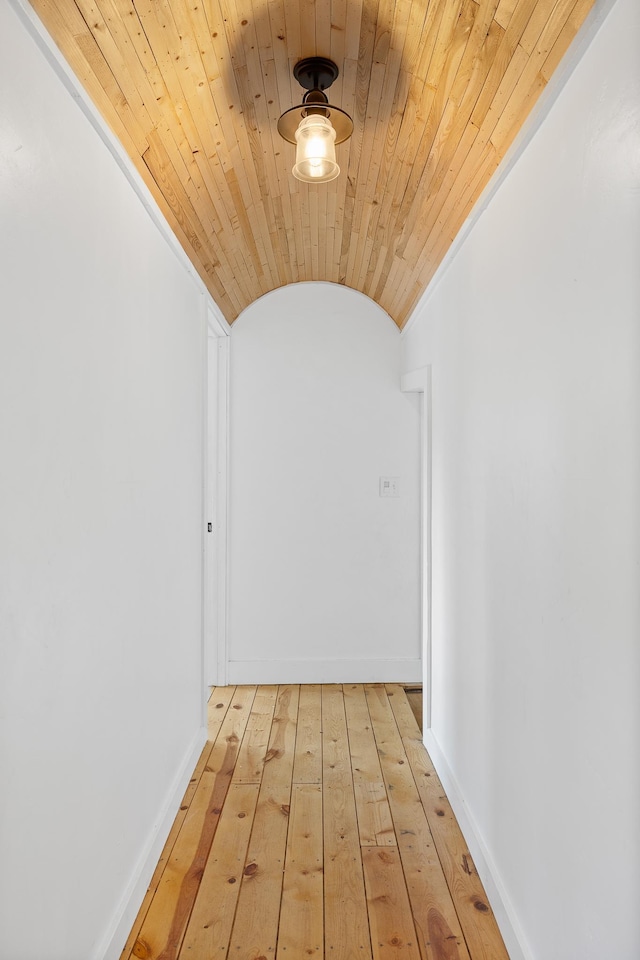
(315,126)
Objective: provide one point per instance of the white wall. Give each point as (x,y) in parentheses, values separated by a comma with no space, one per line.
(324,572)
(101,400)
(533,335)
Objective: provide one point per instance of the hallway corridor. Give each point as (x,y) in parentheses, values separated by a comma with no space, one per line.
(315,826)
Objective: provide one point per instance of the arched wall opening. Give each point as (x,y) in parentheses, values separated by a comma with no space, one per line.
(324,571)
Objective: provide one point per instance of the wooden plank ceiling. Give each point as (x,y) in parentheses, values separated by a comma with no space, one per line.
(193,89)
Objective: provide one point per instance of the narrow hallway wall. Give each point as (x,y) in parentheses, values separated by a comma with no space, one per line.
(533,337)
(324,572)
(101,362)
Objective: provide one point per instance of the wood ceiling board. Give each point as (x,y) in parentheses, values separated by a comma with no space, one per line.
(437,89)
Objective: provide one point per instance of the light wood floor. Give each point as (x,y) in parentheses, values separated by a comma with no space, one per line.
(414,698)
(315,826)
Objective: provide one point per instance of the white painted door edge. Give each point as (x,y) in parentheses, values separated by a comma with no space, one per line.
(419,381)
(222,512)
(216,495)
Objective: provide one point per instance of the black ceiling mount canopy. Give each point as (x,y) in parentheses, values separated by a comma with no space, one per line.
(315,75)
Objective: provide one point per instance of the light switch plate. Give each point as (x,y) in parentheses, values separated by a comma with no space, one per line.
(389,486)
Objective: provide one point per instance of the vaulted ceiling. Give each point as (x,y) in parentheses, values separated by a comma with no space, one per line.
(193,89)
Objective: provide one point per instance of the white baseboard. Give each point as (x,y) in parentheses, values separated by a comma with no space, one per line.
(325,671)
(502,907)
(111,944)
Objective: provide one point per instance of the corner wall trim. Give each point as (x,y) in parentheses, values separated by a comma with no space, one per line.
(415,381)
(325,671)
(512,934)
(112,942)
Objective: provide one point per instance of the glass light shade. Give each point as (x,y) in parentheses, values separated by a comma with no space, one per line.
(315,150)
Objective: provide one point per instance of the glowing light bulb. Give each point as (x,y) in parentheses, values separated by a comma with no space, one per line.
(315,150)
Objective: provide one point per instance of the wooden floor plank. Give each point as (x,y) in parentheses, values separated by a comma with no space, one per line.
(255,930)
(393,935)
(474,911)
(476,916)
(346,922)
(209,927)
(307,766)
(301,932)
(255,742)
(217,706)
(439,930)
(161,934)
(409,720)
(375,824)
(166,851)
